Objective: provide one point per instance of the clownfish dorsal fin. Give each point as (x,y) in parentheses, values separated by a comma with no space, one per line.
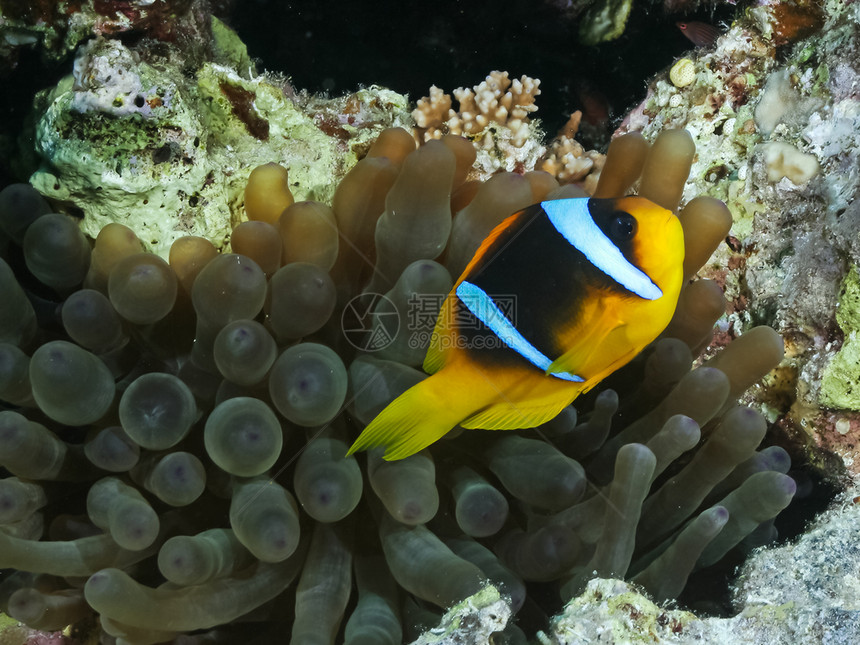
(437,352)
(490,240)
(521,414)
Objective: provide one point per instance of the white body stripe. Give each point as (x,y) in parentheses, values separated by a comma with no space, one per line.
(482,306)
(572,219)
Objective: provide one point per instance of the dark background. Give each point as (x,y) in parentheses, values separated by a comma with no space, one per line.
(408,46)
(336,47)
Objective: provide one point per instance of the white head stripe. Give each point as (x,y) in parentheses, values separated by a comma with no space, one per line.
(482,306)
(572,219)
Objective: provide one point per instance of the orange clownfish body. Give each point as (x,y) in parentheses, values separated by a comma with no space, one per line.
(557,297)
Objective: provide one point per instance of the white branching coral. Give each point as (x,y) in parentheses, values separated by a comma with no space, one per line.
(496,116)
(432,111)
(568,161)
(498,99)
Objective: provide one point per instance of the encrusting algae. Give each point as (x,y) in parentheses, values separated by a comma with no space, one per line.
(175,433)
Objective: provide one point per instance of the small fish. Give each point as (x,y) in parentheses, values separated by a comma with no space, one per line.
(557,297)
(701,34)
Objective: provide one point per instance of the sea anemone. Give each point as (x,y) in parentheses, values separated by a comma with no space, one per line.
(173,433)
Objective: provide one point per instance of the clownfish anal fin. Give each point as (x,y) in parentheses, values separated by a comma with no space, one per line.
(511,416)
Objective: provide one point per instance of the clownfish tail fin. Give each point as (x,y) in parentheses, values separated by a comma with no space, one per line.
(413,421)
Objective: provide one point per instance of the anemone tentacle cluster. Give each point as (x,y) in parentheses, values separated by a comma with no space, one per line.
(172,433)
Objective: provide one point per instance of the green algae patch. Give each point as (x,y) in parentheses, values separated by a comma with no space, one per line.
(620,614)
(840,383)
(604,21)
(229,48)
(472,621)
(744,208)
(637,618)
(771,613)
(7,626)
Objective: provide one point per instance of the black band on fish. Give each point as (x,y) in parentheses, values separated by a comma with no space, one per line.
(484,309)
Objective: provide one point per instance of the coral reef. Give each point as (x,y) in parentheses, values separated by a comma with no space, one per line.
(132,137)
(779,81)
(775,119)
(778,597)
(56,29)
(201,440)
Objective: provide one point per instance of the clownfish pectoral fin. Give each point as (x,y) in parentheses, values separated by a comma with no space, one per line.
(411,422)
(512,415)
(593,339)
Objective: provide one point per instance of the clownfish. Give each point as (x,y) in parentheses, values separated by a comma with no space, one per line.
(557,297)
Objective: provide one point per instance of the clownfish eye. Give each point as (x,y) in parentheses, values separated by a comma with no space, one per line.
(622,227)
